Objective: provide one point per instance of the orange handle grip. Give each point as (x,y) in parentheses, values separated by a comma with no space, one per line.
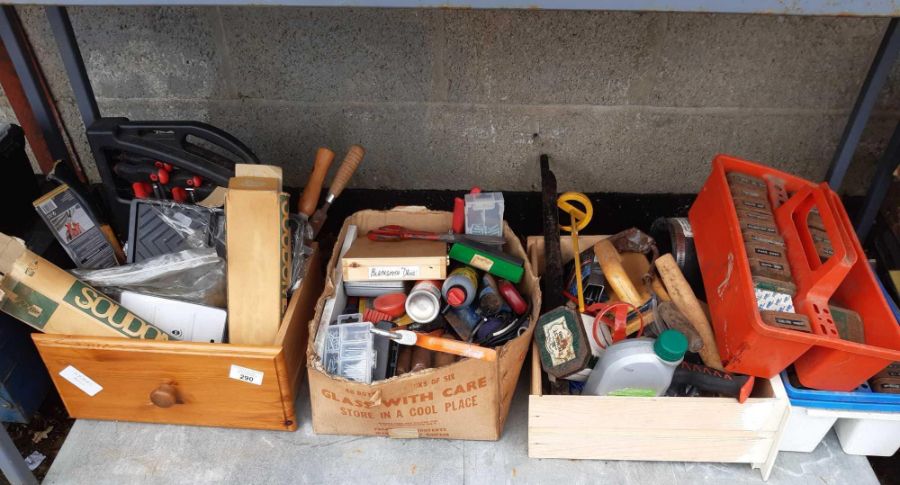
(310,197)
(345,171)
(456,347)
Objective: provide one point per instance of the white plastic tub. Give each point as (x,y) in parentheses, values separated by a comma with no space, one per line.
(860,432)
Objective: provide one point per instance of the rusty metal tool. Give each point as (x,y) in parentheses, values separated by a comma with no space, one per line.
(552,280)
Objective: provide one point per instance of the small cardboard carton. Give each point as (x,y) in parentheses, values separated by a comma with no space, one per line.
(468,399)
(51,300)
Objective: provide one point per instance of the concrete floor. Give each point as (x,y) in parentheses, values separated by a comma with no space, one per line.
(99,452)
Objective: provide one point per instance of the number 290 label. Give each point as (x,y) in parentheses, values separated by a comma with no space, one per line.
(244,374)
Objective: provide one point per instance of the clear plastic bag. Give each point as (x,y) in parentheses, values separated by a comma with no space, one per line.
(199,226)
(192,275)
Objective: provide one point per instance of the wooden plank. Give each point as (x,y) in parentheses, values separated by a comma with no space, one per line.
(657,413)
(200,374)
(625,435)
(294,332)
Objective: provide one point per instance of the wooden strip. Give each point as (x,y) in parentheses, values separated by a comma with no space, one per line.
(681,413)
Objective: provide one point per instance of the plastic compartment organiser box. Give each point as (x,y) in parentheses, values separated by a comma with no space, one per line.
(749,346)
(484,214)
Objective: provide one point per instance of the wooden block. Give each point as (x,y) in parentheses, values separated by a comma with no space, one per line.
(368,260)
(259,259)
(257,170)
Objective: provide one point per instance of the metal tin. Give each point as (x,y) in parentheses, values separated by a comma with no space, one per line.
(424,301)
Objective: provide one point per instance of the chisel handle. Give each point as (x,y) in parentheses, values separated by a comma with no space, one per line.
(345,171)
(310,197)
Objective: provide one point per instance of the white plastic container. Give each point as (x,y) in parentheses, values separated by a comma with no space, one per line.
(870,434)
(638,367)
(860,432)
(804,431)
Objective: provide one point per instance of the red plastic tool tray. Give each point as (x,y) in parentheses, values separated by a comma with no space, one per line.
(747,345)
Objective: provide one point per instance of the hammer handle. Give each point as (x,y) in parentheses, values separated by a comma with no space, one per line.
(310,197)
(684,299)
(614,272)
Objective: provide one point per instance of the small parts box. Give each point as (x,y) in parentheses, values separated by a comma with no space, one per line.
(207,384)
(697,429)
(749,346)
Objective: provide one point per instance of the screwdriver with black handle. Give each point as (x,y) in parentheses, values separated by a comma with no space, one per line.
(711,380)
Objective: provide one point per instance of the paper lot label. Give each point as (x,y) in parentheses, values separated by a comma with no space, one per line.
(244,374)
(81,381)
(393,272)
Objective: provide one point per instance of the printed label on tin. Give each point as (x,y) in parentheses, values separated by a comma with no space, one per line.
(393,272)
(81,381)
(481,262)
(559,341)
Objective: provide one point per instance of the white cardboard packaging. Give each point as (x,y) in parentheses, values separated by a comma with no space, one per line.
(180,320)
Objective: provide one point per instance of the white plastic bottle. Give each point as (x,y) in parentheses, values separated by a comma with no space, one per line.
(638,367)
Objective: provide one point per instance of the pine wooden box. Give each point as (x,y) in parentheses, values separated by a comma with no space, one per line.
(700,429)
(129,370)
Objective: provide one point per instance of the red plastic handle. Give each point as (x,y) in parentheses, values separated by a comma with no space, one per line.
(816,281)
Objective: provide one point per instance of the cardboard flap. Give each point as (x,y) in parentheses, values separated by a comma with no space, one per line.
(11,248)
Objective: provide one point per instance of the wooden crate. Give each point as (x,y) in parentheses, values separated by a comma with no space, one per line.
(701,429)
(193,383)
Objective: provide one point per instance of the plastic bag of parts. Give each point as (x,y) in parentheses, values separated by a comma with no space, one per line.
(192,275)
(198,226)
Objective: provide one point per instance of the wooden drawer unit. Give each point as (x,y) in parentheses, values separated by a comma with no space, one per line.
(206,384)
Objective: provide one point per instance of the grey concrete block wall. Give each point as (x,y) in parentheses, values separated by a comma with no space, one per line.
(626,102)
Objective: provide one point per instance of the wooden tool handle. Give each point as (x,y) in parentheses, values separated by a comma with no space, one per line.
(345,171)
(310,198)
(611,263)
(685,300)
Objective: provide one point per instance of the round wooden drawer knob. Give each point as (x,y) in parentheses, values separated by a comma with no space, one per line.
(164,396)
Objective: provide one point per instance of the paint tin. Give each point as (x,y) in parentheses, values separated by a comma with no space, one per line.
(424,301)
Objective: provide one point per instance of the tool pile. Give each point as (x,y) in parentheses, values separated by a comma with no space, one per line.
(404,312)
(628,322)
(169,282)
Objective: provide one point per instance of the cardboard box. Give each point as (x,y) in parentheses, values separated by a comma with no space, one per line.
(75,229)
(51,300)
(710,429)
(259,258)
(465,400)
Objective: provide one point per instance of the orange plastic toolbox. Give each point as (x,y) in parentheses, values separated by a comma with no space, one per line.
(747,345)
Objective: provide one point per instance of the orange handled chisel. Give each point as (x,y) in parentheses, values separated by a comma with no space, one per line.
(438,344)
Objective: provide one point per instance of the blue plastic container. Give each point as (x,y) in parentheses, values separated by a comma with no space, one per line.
(862,399)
